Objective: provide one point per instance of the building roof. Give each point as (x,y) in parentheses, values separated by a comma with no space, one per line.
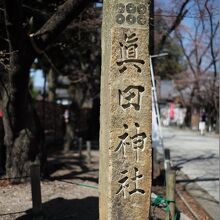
(167,89)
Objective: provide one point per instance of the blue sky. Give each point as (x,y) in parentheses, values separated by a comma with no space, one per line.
(38,78)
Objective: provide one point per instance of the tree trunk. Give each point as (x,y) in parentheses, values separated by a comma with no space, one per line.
(22,132)
(2,149)
(188,116)
(217,124)
(23,136)
(51,85)
(69,137)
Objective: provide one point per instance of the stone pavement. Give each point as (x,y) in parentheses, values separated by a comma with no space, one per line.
(198,157)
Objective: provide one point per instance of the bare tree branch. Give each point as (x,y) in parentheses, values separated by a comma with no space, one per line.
(179,18)
(59,21)
(185,53)
(213,32)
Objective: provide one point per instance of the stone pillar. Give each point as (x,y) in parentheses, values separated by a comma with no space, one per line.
(125,121)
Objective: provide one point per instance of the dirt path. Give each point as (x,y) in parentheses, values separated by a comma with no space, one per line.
(63,196)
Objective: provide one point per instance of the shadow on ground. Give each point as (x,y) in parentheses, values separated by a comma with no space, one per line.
(179,160)
(62,209)
(65,166)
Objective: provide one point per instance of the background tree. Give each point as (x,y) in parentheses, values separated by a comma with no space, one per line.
(174,62)
(199,44)
(78,64)
(163,22)
(23,135)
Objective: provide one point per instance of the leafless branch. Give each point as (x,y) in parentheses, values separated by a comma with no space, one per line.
(175,24)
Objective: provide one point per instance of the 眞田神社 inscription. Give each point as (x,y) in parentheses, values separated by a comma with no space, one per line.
(131,97)
(128,184)
(129,53)
(135,140)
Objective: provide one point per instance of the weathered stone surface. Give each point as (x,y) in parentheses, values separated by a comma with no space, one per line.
(125,133)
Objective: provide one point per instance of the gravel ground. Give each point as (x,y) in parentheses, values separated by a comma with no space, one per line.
(64,199)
